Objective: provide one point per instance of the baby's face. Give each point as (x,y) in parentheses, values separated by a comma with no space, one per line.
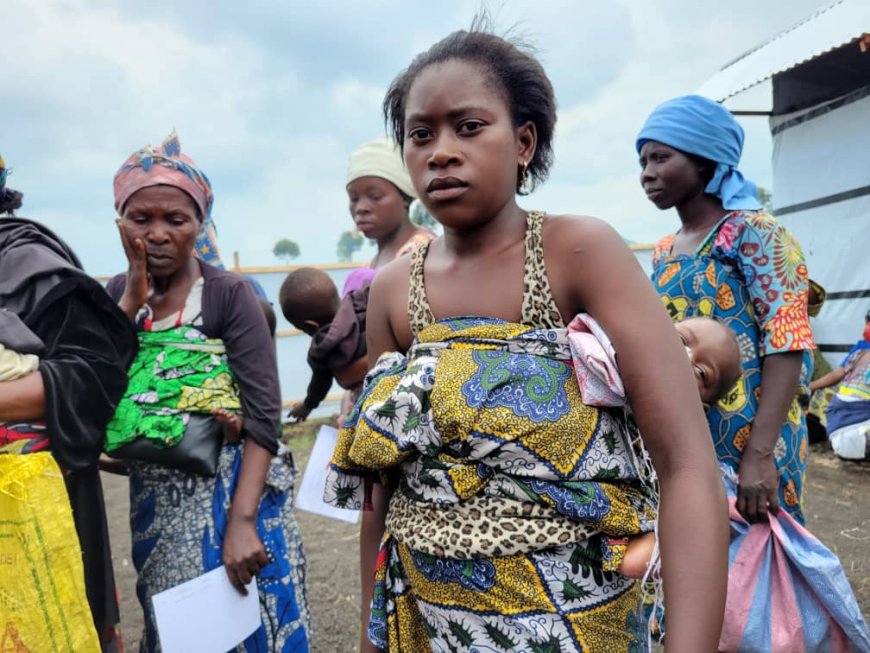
(714,355)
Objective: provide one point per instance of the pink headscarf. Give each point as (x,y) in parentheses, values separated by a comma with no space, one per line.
(163,165)
(166,165)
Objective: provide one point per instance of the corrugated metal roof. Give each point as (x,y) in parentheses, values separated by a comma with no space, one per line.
(829,28)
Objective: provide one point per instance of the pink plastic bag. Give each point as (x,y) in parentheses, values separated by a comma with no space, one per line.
(787,593)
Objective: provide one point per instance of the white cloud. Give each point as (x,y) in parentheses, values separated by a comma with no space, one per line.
(674,52)
(272,121)
(299,196)
(355,99)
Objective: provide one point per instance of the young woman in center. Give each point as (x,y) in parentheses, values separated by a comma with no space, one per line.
(503,502)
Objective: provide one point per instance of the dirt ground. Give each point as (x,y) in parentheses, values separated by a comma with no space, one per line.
(837,502)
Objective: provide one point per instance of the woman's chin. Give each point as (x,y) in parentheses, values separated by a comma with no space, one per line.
(662,204)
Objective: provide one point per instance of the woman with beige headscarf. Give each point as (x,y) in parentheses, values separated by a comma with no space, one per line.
(380,194)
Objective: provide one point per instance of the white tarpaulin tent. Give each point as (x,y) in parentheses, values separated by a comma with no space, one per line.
(829,28)
(820,125)
(821,182)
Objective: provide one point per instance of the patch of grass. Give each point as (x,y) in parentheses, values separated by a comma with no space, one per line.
(300,437)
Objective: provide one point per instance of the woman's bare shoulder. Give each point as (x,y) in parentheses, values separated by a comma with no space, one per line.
(576,233)
(387,327)
(393,275)
(389,290)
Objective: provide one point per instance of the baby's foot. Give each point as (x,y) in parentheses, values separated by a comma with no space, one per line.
(112,465)
(638,555)
(232,423)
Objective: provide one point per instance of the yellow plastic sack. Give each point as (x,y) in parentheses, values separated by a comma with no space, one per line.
(43,605)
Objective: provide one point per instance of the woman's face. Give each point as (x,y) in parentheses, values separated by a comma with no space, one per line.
(167,220)
(461,147)
(668,176)
(376,206)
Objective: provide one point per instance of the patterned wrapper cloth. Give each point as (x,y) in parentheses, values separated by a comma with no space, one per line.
(748,273)
(514,499)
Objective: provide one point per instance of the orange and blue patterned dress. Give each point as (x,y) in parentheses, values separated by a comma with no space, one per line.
(750,274)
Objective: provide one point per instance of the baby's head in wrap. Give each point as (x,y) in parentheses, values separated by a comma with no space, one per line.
(380,158)
(165,165)
(699,126)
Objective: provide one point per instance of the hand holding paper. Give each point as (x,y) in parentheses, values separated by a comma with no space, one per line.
(206,614)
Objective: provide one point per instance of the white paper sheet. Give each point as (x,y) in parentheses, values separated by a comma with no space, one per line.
(206,614)
(310,495)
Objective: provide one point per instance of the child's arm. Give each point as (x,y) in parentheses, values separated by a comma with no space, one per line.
(593,270)
(831,378)
(23,399)
(379,339)
(318,388)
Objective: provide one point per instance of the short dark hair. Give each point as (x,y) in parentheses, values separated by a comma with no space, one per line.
(269,312)
(10,200)
(308,294)
(517,74)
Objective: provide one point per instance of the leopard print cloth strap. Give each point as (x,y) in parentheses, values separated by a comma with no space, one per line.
(480,526)
(539,309)
(419,314)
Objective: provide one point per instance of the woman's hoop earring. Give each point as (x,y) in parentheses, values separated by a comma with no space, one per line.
(523,176)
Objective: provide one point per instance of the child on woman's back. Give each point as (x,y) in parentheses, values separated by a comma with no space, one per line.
(498,534)
(711,346)
(309,300)
(714,354)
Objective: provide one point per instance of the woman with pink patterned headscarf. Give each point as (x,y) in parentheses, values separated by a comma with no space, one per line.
(235,512)
(173,169)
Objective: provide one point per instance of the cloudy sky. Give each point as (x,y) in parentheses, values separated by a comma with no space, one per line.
(271,97)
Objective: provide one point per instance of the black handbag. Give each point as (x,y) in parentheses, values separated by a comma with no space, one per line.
(197,453)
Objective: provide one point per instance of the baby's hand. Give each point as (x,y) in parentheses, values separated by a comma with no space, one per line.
(232,423)
(299,412)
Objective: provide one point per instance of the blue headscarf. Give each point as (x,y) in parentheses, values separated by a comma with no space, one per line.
(700,126)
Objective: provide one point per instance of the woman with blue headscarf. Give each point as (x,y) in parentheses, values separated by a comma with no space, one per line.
(734,262)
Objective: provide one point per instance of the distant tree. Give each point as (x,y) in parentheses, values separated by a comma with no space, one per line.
(348,244)
(421,217)
(286,249)
(766,198)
